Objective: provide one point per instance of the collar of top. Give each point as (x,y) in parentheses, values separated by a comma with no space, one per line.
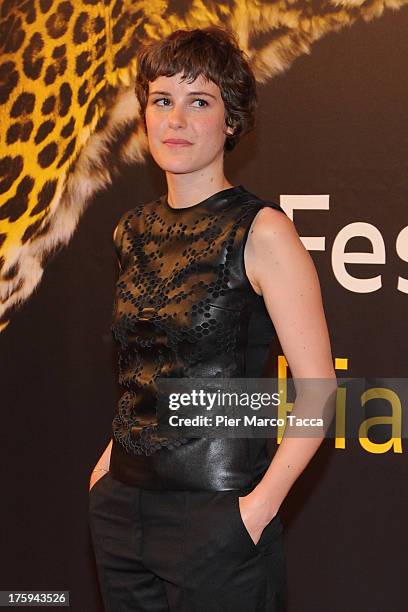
(216,201)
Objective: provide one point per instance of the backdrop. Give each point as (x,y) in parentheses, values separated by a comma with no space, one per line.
(330,146)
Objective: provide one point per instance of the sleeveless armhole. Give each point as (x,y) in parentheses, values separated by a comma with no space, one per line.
(267,204)
(262,204)
(118,237)
(261,331)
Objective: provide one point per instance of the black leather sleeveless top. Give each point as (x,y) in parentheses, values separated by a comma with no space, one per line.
(184,307)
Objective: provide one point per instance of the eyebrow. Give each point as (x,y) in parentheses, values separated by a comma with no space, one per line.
(191,93)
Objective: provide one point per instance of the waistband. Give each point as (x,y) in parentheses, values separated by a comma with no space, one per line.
(202,464)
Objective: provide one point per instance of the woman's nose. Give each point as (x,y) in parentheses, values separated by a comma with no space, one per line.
(176,116)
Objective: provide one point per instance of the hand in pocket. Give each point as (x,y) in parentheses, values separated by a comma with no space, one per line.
(253,517)
(95,476)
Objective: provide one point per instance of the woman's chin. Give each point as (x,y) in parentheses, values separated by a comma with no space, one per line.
(177,168)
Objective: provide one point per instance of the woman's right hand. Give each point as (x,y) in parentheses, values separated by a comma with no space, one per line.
(95,476)
(102,466)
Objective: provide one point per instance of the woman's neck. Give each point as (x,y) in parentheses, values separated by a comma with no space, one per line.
(182,193)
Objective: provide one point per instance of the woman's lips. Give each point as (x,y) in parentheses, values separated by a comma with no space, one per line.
(177,143)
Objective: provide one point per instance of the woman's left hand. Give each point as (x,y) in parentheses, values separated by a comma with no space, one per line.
(256,513)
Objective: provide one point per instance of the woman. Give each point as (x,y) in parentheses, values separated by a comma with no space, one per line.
(187,522)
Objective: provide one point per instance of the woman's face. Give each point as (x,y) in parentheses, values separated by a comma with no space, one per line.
(193,113)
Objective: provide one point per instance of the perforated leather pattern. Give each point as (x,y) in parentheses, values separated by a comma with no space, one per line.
(182,305)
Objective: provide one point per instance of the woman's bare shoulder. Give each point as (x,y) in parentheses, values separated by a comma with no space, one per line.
(272,229)
(270,220)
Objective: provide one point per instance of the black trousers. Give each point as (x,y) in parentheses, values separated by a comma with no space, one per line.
(182,551)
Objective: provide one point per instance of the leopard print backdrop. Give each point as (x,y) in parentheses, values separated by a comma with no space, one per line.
(69,116)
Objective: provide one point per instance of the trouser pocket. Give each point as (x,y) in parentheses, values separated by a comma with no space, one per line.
(270,536)
(97,489)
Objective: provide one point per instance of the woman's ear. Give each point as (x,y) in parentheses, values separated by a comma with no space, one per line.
(230,130)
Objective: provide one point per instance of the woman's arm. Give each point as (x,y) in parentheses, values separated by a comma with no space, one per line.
(281,269)
(102,465)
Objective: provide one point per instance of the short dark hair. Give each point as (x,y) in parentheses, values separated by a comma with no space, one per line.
(212,52)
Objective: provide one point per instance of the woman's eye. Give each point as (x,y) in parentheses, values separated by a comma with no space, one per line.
(205,103)
(201,100)
(160,100)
